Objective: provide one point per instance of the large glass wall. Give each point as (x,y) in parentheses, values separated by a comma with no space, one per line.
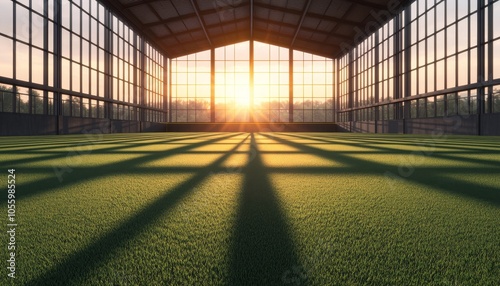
(313,83)
(435,58)
(232,83)
(191,88)
(271,81)
(236,99)
(103,67)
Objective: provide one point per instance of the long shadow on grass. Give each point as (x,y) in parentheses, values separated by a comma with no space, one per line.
(76,175)
(86,146)
(77,266)
(421,147)
(422,175)
(262,252)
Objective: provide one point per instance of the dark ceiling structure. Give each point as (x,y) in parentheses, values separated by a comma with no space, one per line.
(321,27)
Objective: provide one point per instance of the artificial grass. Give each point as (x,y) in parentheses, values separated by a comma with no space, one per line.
(254,209)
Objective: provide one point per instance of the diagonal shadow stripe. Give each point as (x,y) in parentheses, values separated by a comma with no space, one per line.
(431,179)
(79,264)
(48,184)
(436,154)
(262,251)
(107,150)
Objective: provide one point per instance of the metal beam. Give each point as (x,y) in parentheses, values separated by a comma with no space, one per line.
(195,7)
(251,19)
(120,11)
(310,14)
(345,38)
(182,17)
(369,4)
(304,13)
(138,3)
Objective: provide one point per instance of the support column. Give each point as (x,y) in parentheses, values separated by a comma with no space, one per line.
(45,56)
(212,85)
(170,91)
(377,81)
(136,81)
(290,85)
(350,99)
(57,76)
(108,64)
(142,91)
(488,98)
(251,115)
(337,88)
(405,89)
(166,91)
(481,76)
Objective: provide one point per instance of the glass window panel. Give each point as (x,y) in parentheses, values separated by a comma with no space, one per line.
(496,99)
(51,37)
(452,104)
(430,78)
(37,30)
(496,20)
(66,13)
(22,24)
(440,105)
(496,59)
(75,48)
(430,49)
(85,53)
(421,27)
(75,16)
(85,26)
(22,62)
(7,19)
(431,27)
(451,72)
(451,40)
(421,80)
(65,42)
(75,75)
(440,18)
(37,65)
(414,83)
(101,60)
(414,59)
(473,65)
(421,53)
(440,75)
(6,57)
(463,34)
(440,44)
(463,103)
(102,32)
(85,80)
(93,82)
(463,71)
(450,11)
(463,8)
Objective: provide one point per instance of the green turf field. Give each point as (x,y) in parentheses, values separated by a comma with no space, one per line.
(253,209)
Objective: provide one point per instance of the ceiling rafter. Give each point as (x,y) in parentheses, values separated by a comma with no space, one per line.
(195,7)
(138,3)
(306,8)
(307,24)
(304,28)
(251,19)
(309,14)
(208,27)
(182,17)
(369,4)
